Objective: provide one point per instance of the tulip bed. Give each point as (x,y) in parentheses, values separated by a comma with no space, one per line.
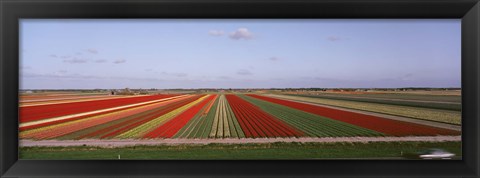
(204,116)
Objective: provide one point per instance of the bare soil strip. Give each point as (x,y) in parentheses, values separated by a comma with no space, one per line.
(177,141)
(386,116)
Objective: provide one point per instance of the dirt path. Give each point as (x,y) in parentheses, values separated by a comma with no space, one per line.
(132,142)
(386,116)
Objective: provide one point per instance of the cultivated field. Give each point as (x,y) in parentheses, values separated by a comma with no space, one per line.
(439,111)
(67,116)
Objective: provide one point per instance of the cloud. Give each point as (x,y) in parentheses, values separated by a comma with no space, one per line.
(148,70)
(224,78)
(241,33)
(274,59)
(53,55)
(244,72)
(174,74)
(100,61)
(75,61)
(64,57)
(25,68)
(93,51)
(60,75)
(334,38)
(180,74)
(407,77)
(216,32)
(119,61)
(78,53)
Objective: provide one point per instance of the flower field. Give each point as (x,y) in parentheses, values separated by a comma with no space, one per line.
(198,116)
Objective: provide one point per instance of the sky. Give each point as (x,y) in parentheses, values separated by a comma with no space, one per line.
(236,53)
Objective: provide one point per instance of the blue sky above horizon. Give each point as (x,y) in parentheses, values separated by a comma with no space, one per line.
(87,54)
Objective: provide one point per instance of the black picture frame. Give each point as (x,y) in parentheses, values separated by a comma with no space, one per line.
(13,10)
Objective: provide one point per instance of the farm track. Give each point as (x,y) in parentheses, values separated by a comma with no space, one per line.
(176,141)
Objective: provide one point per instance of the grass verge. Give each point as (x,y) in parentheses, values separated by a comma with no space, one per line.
(281,150)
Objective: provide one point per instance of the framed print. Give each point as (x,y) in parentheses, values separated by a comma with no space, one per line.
(249,88)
